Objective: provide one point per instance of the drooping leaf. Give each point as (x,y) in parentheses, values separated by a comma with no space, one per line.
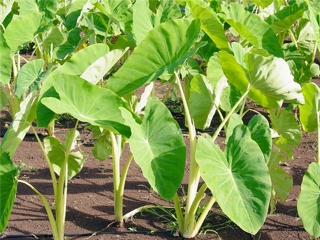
(162,50)
(201,101)
(28,74)
(210,23)
(308,111)
(308,201)
(26,26)
(282,181)
(272,77)
(20,125)
(57,153)
(6,61)
(289,131)
(284,18)
(8,188)
(238,178)
(261,134)
(88,103)
(158,148)
(253,28)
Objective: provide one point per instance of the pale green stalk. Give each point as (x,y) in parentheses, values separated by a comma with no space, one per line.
(179,213)
(194,175)
(46,205)
(116,154)
(52,174)
(223,123)
(61,199)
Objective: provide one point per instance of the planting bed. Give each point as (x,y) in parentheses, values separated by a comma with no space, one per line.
(90,200)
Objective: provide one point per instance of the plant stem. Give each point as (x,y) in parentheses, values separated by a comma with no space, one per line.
(62,188)
(203,216)
(216,133)
(179,213)
(194,175)
(118,198)
(46,205)
(52,174)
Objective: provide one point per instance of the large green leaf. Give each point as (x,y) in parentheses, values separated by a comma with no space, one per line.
(272,77)
(288,130)
(158,148)
(8,188)
(27,7)
(314,17)
(308,201)
(210,23)
(87,102)
(284,18)
(20,125)
(81,60)
(6,61)
(162,50)
(57,155)
(28,74)
(308,111)
(96,71)
(5,9)
(142,21)
(22,29)
(261,134)
(238,179)
(253,28)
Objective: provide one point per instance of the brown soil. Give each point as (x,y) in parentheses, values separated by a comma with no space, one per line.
(90,201)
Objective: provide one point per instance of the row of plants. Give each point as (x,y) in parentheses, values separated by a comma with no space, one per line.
(90,57)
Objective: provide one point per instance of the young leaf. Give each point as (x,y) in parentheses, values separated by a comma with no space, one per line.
(234,121)
(289,131)
(253,28)
(210,23)
(20,125)
(26,26)
(6,61)
(162,50)
(92,104)
(57,153)
(201,101)
(308,111)
(238,179)
(282,182)
(102,147)
(28,74)
(261,134)
(158,148)
(308,201)
(8,188)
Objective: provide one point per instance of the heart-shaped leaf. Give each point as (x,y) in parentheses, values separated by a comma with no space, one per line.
(26,26)
(238,179)
(161,51)
(158,148)
(308,201)
(8,188)
(28,74)
(88,103)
